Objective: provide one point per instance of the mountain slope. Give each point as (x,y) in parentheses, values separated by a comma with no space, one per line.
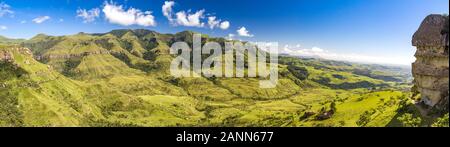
(42,97)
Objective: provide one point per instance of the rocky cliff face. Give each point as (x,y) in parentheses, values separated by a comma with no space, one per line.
(6,55)
(431,69)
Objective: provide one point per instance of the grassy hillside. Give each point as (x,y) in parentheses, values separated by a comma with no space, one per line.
(121,78)
(41,96)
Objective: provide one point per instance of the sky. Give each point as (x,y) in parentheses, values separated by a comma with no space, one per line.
(369,31)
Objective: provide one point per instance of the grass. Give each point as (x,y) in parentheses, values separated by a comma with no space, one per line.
(163,111)
(350,111)
(103,66)
(45,97)
(202,88)
(144,85)
(249,88)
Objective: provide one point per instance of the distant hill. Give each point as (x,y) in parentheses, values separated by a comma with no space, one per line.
(5,40)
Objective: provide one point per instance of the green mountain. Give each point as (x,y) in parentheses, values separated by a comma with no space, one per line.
(121,78)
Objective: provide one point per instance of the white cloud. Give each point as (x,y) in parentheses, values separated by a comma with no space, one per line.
(118,15)
(190,19)
(88,15)
(3,27)
(317,50)
(5,9)
(212,23)
(224,25)
(182,18)
(167,10)
(41,19)
(61,20)
(244,32)
(23,22)
(325,54)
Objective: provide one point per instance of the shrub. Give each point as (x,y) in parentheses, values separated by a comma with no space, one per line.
(333,107)
(409,121)
(441,122)
(364,118)
(299,72)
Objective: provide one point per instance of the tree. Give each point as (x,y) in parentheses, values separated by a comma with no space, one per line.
(333,107)
(409,121)
(299,72)
(442,122)
(364,118)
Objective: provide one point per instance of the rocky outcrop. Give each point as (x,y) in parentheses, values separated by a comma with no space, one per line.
(6,56)
(69,56)
(431,69)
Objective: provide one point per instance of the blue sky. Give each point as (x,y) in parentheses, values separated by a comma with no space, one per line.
(377,31)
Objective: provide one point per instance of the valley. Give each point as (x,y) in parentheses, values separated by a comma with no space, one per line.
(121,78)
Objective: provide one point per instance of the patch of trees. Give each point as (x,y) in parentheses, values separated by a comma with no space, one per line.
(10,115)
(126,45)
(408,120)
(172,80)
(340,77)
(93,122)
(386,78)
(150,55)
(441,122)
(144,66)
(39,47)
(347,85)
(10,71)
(367,116)
(369,73)
(326,113)
(69,65)
(299,72)
(361,84)
(104,43)
(306,115)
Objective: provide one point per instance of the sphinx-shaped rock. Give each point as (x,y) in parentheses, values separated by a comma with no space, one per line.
(431,69)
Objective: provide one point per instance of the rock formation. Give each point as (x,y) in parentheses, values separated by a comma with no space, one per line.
(5,56)
(431,69)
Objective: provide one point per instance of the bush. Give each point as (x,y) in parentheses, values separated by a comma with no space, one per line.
(364,118)
(333,107)
(441,122)
(409,121)
(299,72)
